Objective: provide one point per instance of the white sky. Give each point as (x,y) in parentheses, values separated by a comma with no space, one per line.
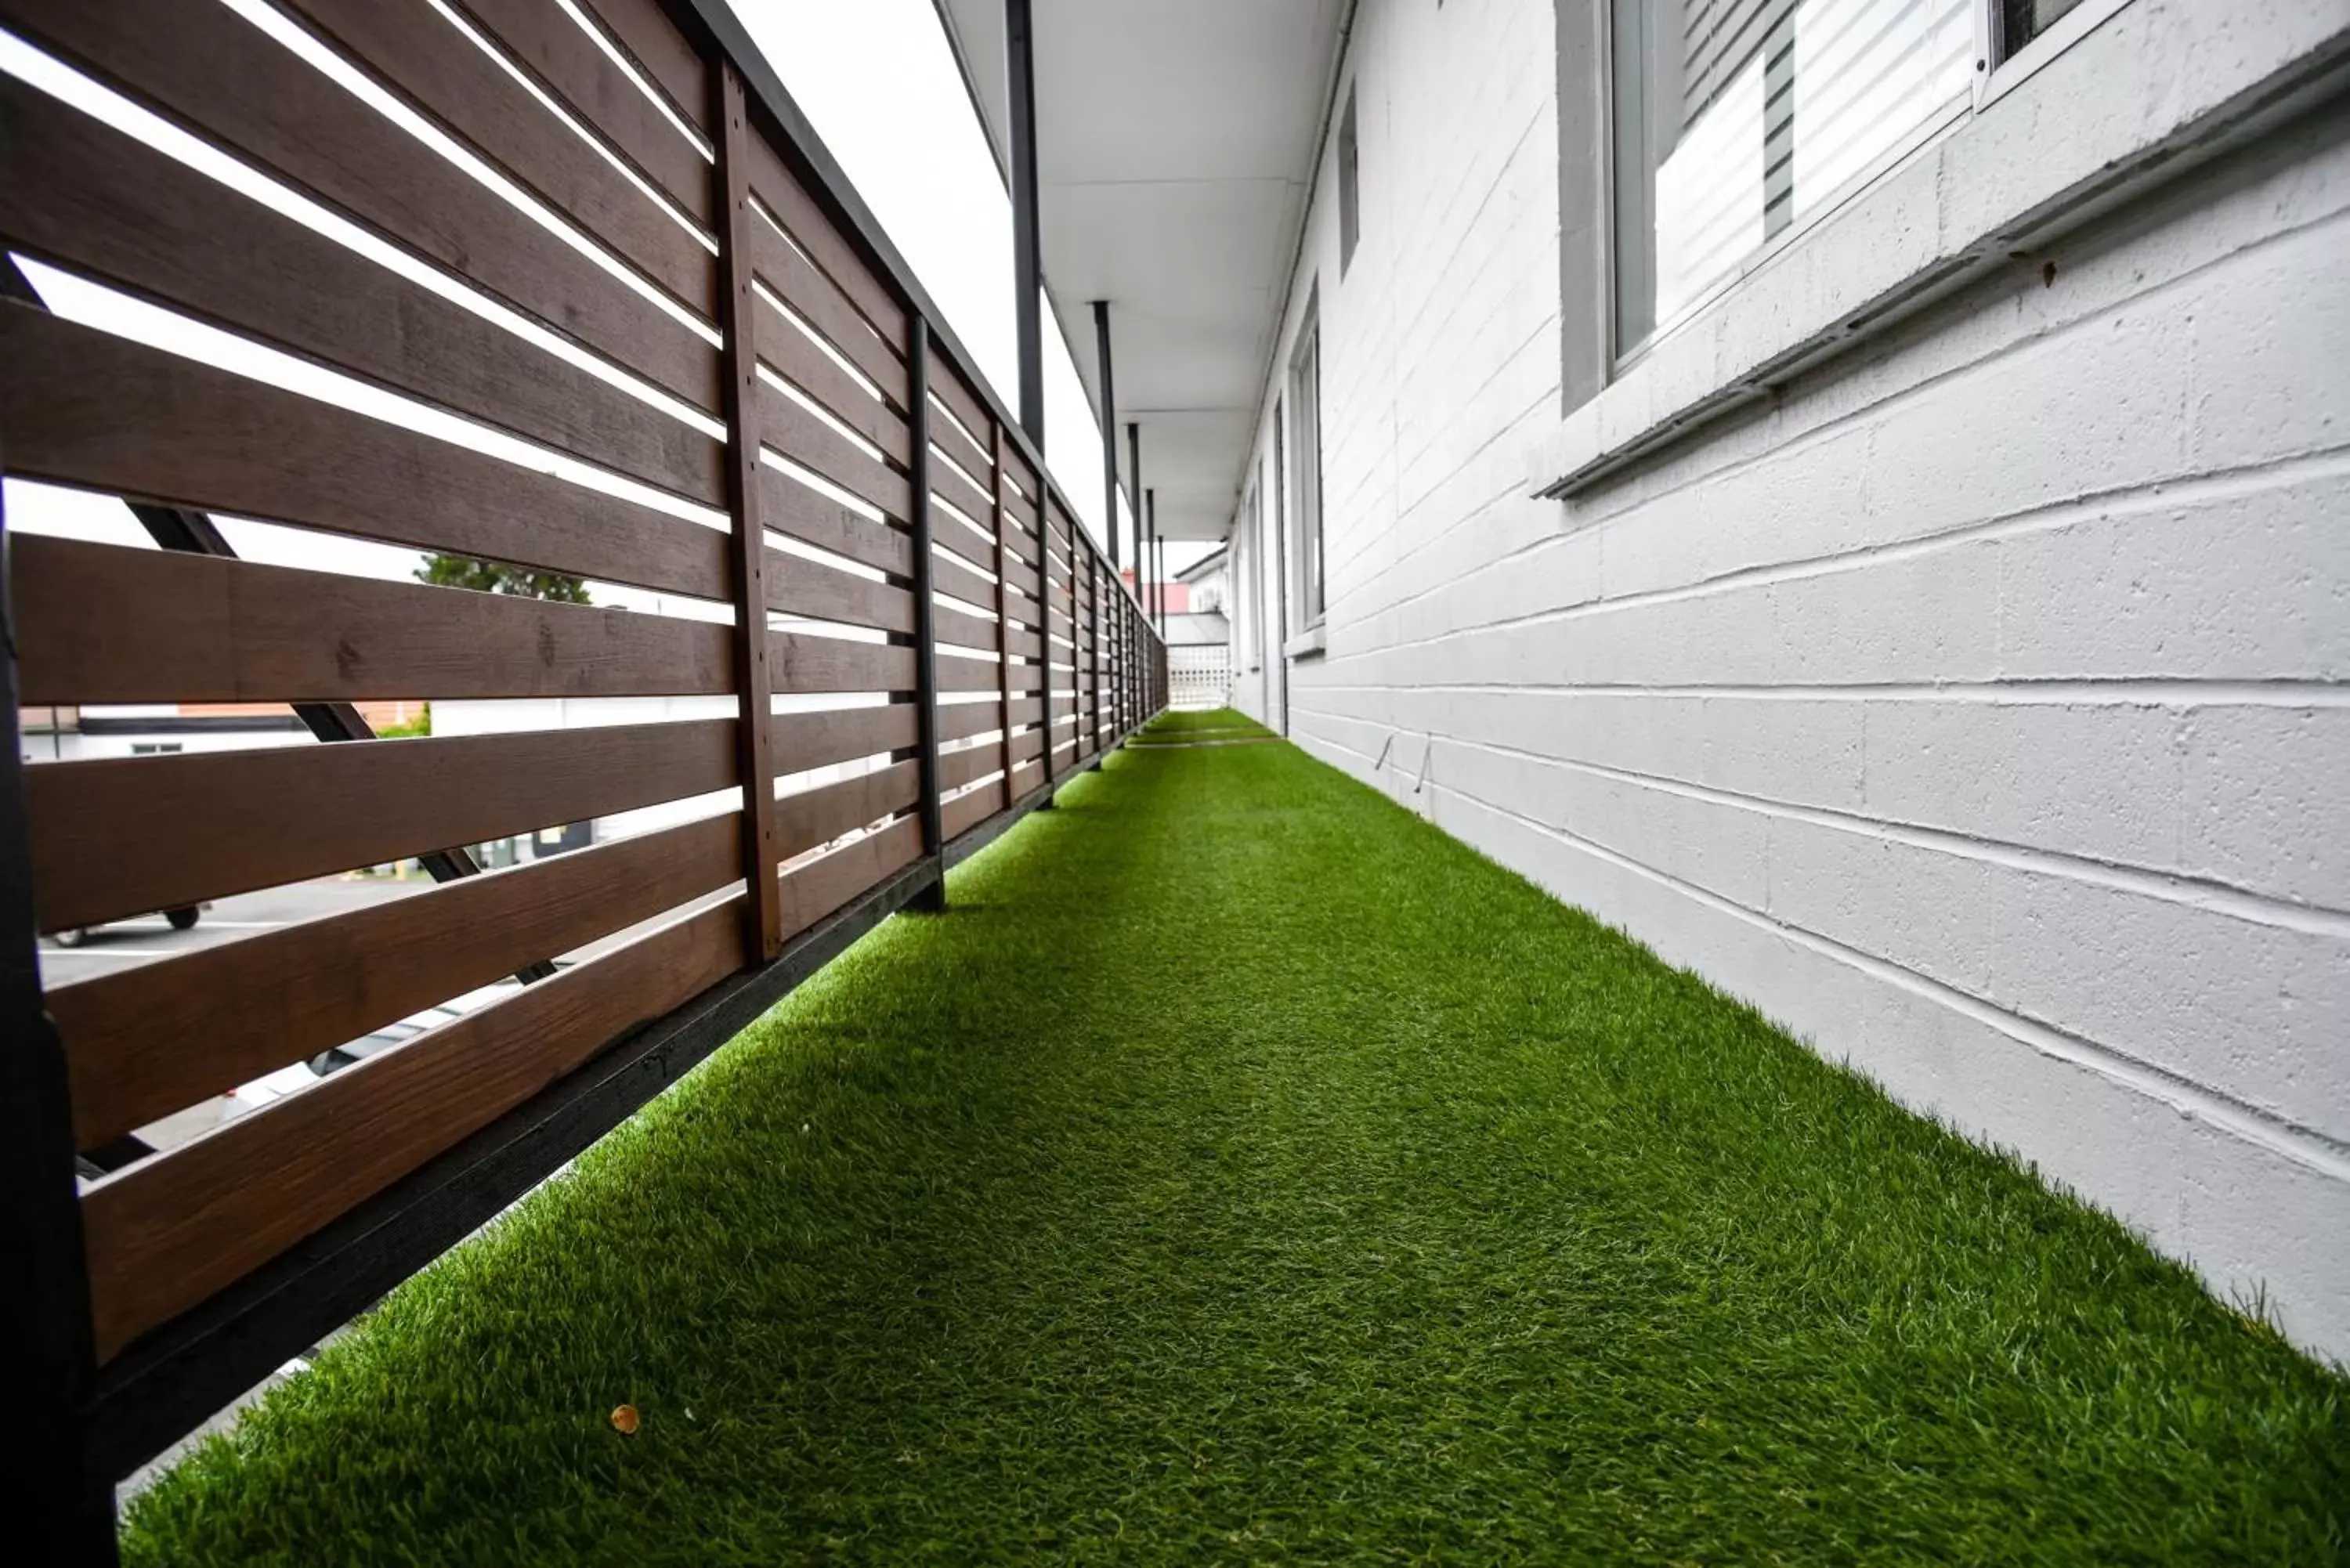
(879,81)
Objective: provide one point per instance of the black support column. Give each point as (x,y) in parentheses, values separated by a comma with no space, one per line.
(1108,428)
(1028,269)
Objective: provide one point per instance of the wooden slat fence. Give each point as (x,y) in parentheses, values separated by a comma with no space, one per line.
(568,288)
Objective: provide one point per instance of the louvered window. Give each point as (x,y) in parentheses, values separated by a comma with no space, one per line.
(1738,120)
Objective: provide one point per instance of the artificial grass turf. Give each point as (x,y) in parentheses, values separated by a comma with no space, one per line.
(1244,1170)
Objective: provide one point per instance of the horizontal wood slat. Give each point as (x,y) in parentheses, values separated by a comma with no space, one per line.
(964,627)
(798,586)
(294,120)
(672,64)
(787,351)
(820,302)
(819,815)
(949,486)
(957,769)
(960,448)
(102,623)
(1026,777)
(85,408)
(969,409)
(167,1234)
(145,1042)
(1023,512)
(815,890)
(128,836)
(807,664)
(1018,572)
(804,219)
(807,441)
(1027,744)
(960,672)
(76,191)
(961,721)
(805,741)
(439,70)
(953,576)
(966,811)
(788,506)
(566,60)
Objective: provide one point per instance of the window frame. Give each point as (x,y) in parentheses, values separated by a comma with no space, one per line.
(1304,397)
(1350,185)
(1939,122)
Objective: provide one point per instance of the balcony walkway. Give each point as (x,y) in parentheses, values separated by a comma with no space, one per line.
(1243,1169)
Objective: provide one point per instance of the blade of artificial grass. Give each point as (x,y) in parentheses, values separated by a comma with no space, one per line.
(1243,1169)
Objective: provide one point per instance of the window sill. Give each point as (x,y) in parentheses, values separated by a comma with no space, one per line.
(2150,93)
(1306,644)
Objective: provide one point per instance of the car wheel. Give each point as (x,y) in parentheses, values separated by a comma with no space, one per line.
(180,918)
(73,936)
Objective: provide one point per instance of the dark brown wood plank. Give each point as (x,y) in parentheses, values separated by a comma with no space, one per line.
(961,721)
(958,493)
(444,74)
(145,1042)
(1023,512)
(803,664)
(966,811)
(1026,777)
(169,1233)
(798,586)
(288,118)
(127,835)
(81,193)
(1023,643)
(957,769)
(807,441)
(85,408)
(815,518)
(815,890)
(963,628)
(1017,571)
(672,64)
(789,354)
(805,741)
(969,409)
(825,306)
(949,438)
(962,673)
(819,815)
(569,63)
(804,219)
(958,578)
(102,623)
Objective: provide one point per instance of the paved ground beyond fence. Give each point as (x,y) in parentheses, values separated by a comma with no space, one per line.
(1242,1171)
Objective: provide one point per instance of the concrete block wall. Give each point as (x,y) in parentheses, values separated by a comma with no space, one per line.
(1980,711)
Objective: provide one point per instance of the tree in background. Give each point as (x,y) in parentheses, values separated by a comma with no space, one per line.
(489,577)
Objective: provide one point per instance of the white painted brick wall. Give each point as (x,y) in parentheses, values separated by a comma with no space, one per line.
(1980,711)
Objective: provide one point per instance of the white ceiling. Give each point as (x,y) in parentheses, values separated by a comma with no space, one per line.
(1176,139)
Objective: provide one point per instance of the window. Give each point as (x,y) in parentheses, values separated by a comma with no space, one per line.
(2020,21)
(1305,512)
(1737,120)
(155,748)
(1350,198)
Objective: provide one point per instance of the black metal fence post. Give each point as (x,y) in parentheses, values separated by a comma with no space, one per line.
(60,1507)
(925,642)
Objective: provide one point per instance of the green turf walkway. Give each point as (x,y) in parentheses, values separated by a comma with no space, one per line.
(1243,1171)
